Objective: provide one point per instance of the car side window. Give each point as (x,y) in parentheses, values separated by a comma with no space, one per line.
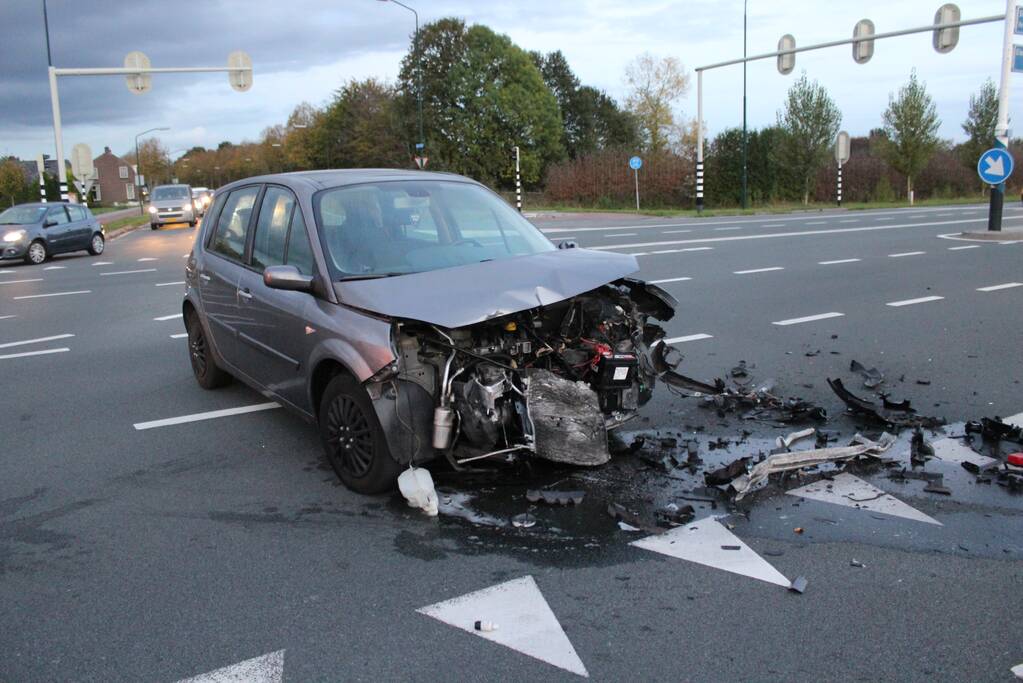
(272,227)
(300,252)
(77,213)
(58,215)
(233,224)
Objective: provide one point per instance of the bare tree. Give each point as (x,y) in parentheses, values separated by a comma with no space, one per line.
(655,84)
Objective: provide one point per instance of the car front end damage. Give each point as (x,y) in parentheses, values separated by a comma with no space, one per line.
(549,381)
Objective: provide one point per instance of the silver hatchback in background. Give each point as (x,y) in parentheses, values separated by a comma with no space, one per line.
(172,204)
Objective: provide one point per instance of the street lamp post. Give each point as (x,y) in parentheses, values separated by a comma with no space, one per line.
(744,143)
(138,162)
(420,147)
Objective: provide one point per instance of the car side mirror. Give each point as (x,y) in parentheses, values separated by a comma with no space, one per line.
(288,278)
(567,244)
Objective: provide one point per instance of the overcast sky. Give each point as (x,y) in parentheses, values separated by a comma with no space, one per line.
(304,49)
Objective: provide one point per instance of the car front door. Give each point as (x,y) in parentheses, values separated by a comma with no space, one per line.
(220,272)
(273,337)
(58,229)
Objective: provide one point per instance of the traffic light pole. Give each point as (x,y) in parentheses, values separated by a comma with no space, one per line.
(994,215)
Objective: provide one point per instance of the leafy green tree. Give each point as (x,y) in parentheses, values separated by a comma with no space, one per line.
(911,130)
(482,95)
(980,124)
(361,127)
(654,85)
(14,186)
(810,121)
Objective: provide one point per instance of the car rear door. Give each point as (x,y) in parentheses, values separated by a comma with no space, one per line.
(273,337)
(220,271)
(58,235)
(81,229)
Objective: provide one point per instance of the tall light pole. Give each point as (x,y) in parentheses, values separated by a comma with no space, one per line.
(744,104)
(138,162)
(419,78)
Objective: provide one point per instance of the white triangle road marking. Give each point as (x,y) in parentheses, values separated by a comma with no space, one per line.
(951,450)
(1014,420)
(845,489)
(1017,671)
(525,622)
(704,542)
(268,668)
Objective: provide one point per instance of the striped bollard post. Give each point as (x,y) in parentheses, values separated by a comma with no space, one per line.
(63,191)
(699,187)
(840,184)
(518,182)
(42,188)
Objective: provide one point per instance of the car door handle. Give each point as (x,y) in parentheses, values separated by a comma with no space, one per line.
(245,293)
(204,277)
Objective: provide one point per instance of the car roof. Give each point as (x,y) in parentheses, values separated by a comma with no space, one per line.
(325,178)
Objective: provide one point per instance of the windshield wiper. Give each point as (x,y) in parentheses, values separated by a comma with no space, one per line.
(368,276)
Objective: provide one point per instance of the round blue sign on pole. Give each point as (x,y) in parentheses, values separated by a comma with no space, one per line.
(994,166)
(635,163)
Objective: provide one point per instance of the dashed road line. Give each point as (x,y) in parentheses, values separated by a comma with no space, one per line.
(667,280)
(757,270)
(43,296)
(995,288)
(906,253)
(889,218)
(816,222)
(15,282)
(835,263)
(849,220)
(209,415)
(773,225)
(146,258)
(129,272)
(54,267)
(808,318)
(687,338)
(733,227)
(169,317)
(169,284)
(25,354)
(102,263)
(911,302)
(5,317)
(669,251)
(35,341)
(622,234)
(966,246)
(672,232)
(180,335)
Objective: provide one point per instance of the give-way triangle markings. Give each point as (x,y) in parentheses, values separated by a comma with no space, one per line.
(845,489)
(523,619)
(266,669)
(709,543)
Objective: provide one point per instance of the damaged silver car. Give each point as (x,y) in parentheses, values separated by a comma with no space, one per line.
(416,315)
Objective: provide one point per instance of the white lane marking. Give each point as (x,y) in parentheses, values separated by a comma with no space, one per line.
(209,415)
(757,270)
(848,220)
(102,263)
(816,222)
(181,335)
(773,225)
(34,353)
(841,260)
(687,338)
(702,542)
(910,302)
(622,234)
(5,317)
(798,233)
(1015,420)
(906,253)
(169,284)
(169,317)
(890,218)
(268,668)
(525,622)
(670,279)
(995,288)
(668,251)
(35,341)
(845,489)
(54,267)
(147,258)
(952,450)
(917,215)
(41,296)
(129,272)
(944,213)
(965,246)
(666,232)
(15,282)
(808,318)
(184,256)
(732,227)
(6,272)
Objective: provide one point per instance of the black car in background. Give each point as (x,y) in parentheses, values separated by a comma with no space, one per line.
(36,231)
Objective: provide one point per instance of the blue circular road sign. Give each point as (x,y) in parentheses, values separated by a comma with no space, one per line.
(994,166)
(635,163)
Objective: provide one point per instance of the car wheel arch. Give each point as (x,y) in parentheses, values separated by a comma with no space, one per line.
(326,369)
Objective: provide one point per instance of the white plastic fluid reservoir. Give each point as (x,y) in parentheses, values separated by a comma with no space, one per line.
(416,485)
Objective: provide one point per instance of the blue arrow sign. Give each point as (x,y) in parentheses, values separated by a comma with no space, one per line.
(995,166)
(635,163)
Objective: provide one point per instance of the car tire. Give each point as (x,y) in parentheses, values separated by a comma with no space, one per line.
(353,440)
(207,373)
(37,253)
(192,223)
(153,226)
(97,244)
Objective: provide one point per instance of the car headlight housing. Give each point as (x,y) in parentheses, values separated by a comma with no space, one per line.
(152,209)
(14,235)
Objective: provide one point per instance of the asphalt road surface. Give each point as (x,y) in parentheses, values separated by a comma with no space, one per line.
(137,547)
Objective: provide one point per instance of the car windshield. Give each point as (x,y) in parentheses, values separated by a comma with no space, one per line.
(395,228)
(170,193)
(22,214)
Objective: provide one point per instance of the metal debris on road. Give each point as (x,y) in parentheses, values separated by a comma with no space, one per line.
(555,497)
(891,414)
(798,585)
(871,376)
(523,521)
(787,441)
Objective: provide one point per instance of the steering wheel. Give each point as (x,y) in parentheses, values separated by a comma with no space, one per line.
(467,240)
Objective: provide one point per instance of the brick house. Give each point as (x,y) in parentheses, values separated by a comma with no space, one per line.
(115,178)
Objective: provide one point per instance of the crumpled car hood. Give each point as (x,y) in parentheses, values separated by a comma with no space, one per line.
(465,295)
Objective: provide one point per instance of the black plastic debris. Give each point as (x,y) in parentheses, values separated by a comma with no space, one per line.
(856,563)
(993,429)
(891,414)
(724,475)
(620,513)
(555,497)
(937,487)
(672,515)
(871,376)
(798,585)
(731,547)
(919,450)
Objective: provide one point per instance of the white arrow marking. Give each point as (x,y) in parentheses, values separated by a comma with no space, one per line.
(995,166)
(266,669)
(525,622)
(951,450)
(845,489)
(704,542)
